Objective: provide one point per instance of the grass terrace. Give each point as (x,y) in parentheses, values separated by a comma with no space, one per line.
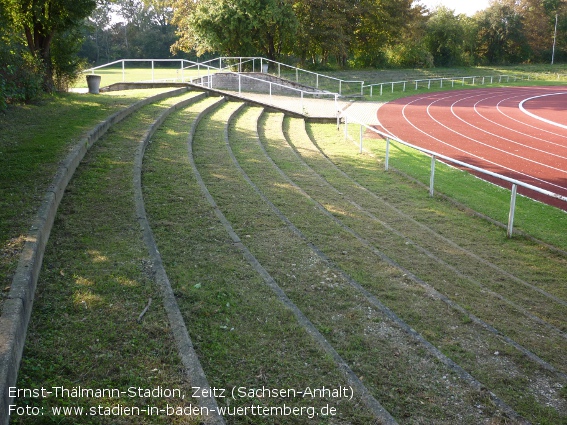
(295,261)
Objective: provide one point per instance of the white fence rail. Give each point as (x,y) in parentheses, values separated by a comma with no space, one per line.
(436,156)
(203,73)
(282,70)
(439,81)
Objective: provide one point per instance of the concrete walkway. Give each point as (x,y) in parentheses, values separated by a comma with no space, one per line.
(320,108)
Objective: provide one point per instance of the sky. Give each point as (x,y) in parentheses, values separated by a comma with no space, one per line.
(468,7)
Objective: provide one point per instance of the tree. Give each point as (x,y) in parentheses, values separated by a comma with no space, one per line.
(501,34)
(539,25)
(325,30)
(382,24)
(41,21)
(444,37)
(235,27)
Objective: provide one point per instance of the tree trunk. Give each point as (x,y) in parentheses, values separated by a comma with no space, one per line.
(39,45)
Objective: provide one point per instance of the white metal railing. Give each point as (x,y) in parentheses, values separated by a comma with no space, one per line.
(206,70)
(429,82)
(301,76)
(185,65)
(435,156)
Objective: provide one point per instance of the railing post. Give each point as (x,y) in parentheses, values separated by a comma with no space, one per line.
(302,101)
(123,72)
(512,210)
(152,71)
(182,79)
(432,176)
(340,86)
(387,160)
(279,70)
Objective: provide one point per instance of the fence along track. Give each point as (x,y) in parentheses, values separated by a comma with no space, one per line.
(429,254)
(371,299)
(369,401)
(432,290)
(439,236)
(544,365)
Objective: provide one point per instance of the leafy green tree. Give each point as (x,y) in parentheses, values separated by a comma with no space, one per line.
(326,29)
(41,21)
(381,25)
(235,27)
(445,36)
(539,25)
(501,34)
(20,72)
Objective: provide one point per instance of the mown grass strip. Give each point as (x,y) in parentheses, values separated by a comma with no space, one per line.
(410,313)
(95,282)
(193,368)
(486,242)
(245,338)
(369,297)
(336,292)
(533,218)
(473,280)
(33,140)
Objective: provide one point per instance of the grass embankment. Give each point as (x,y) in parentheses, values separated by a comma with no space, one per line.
(244,336)
(33,139)
(447,274)
(532,218)
(139,73)
(481,276)
(95,281)
(457,275)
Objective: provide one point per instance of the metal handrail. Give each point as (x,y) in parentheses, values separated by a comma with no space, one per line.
(441,79)
(434,155)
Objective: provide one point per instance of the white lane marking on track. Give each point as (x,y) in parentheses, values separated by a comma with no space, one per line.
(471,154)
(499,136)
(526,124)
(537,117)
(489,145)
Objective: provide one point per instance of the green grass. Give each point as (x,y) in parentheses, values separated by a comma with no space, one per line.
(533,218)
(95,281)
(350,86)
(356,221)
(33,139)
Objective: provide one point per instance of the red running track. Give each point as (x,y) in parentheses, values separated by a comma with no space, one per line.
(517,132)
